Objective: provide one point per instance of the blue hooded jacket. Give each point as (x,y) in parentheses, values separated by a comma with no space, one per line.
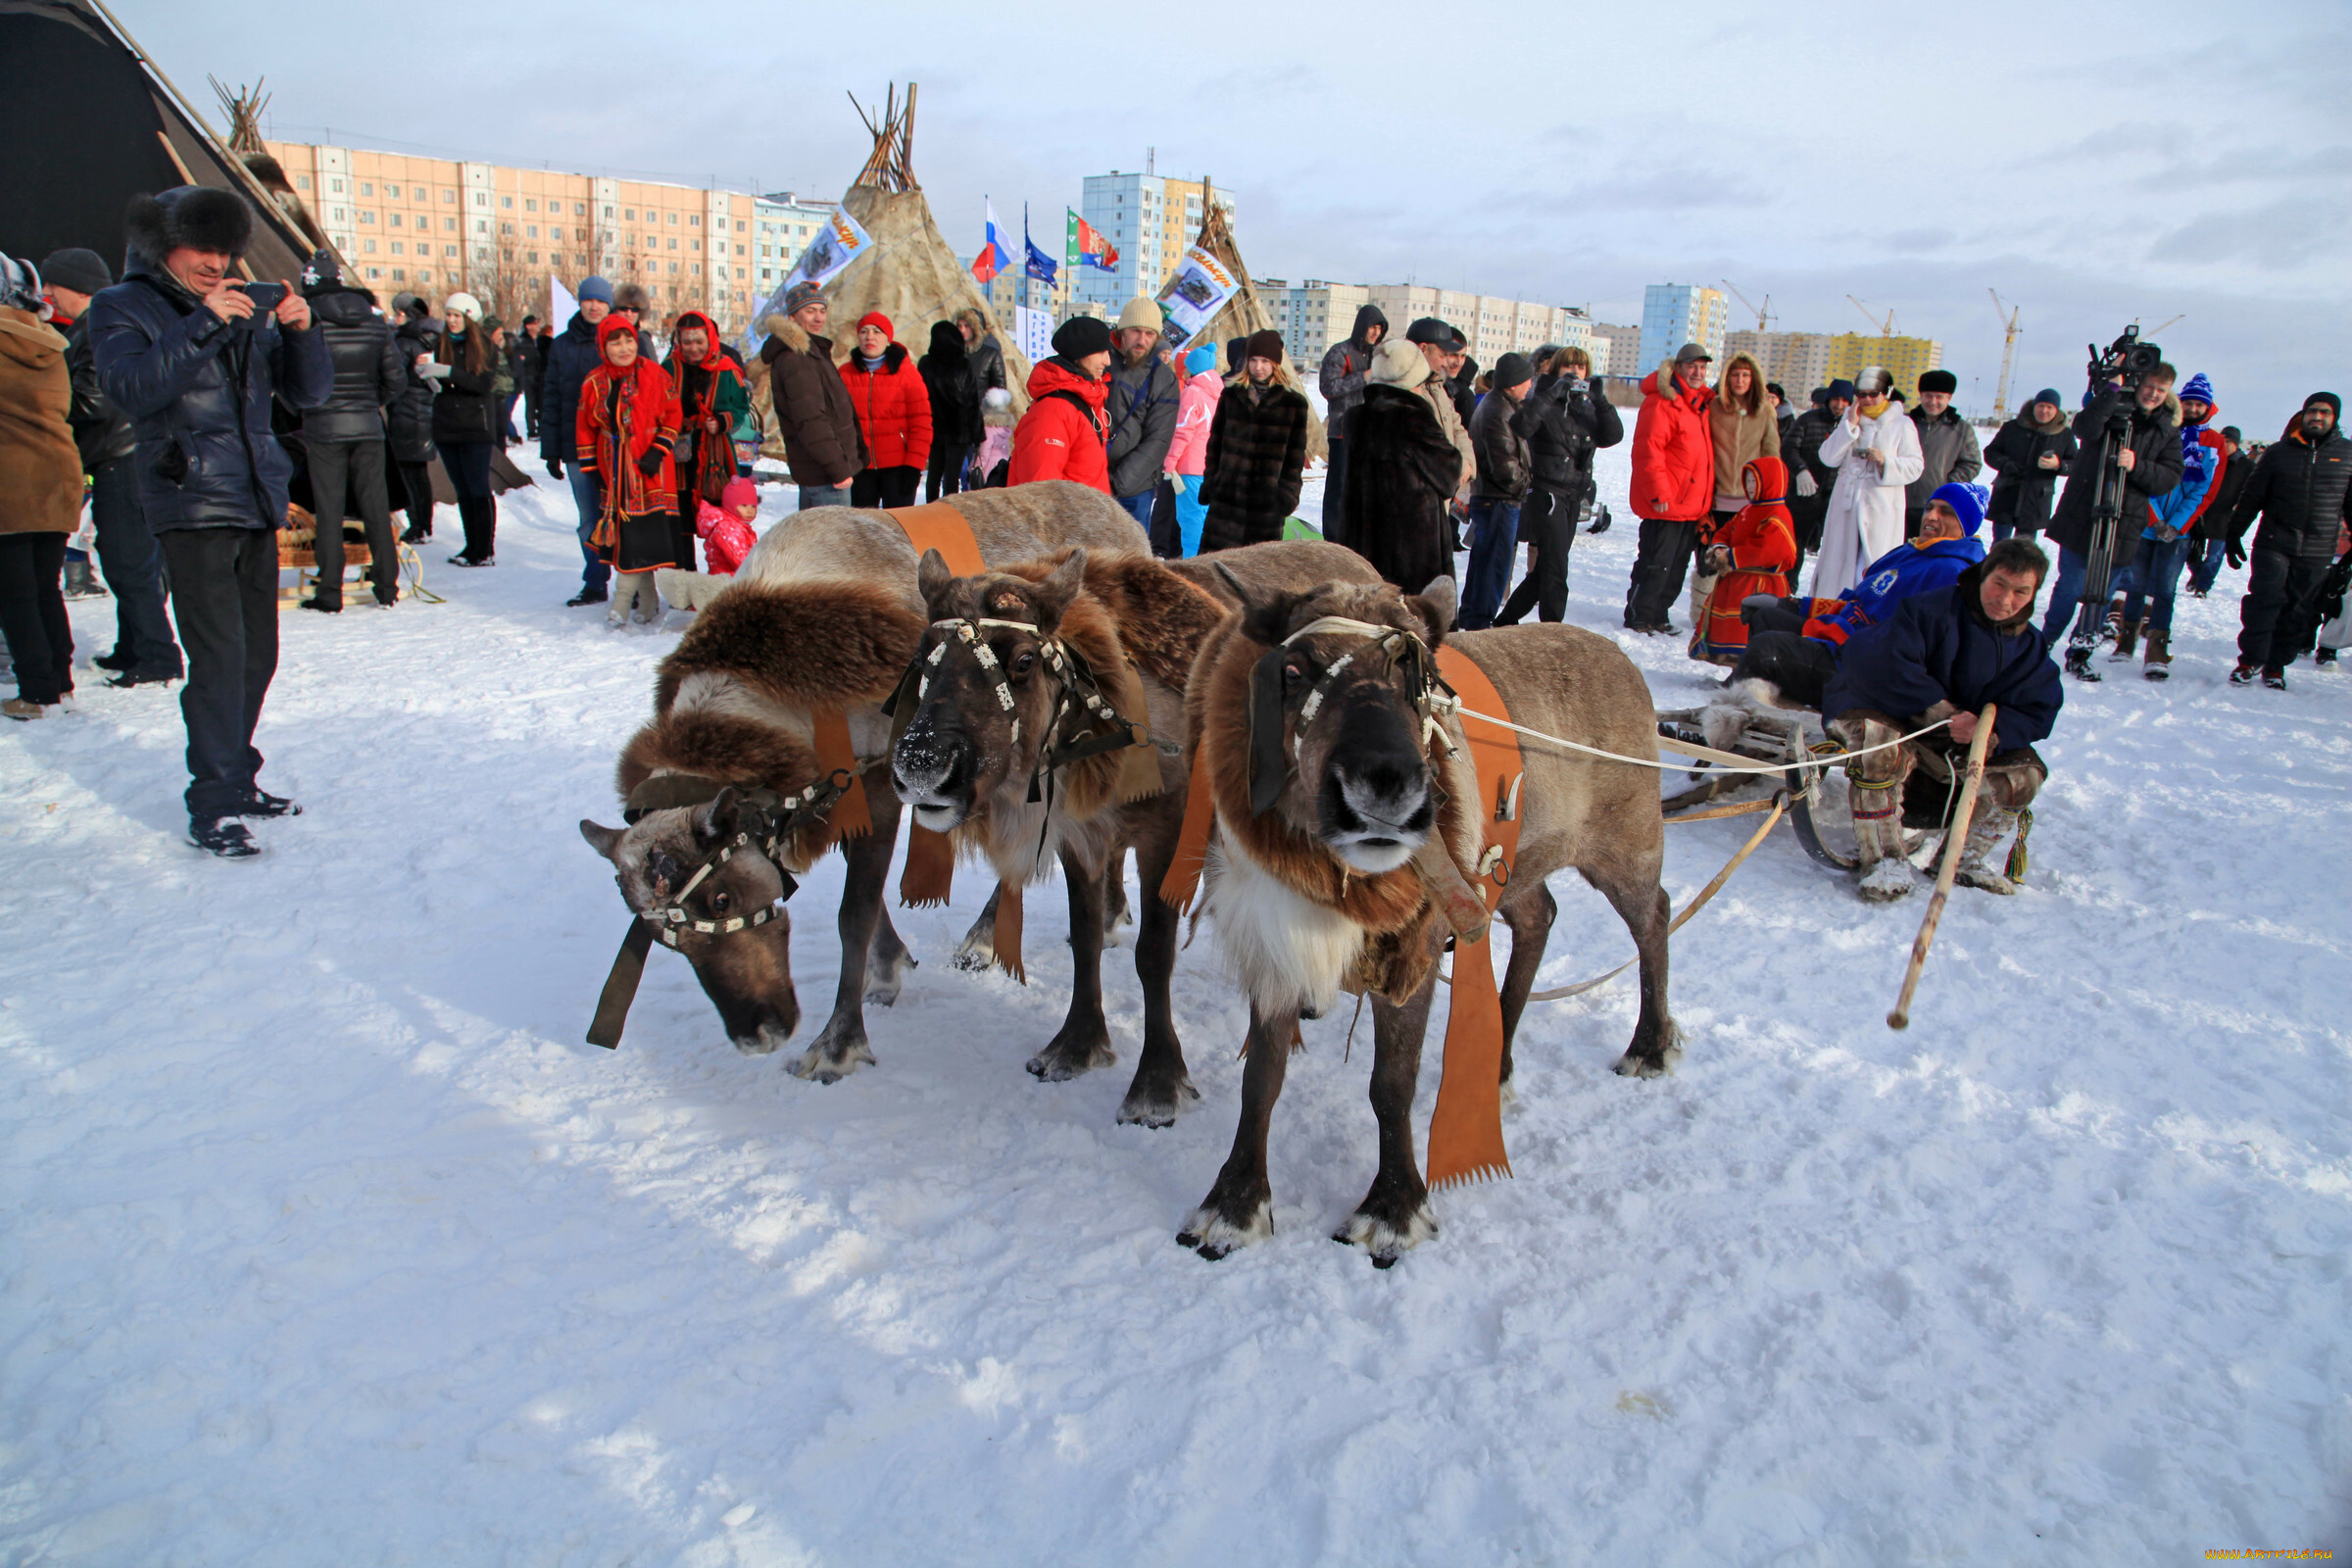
(1906,572)
(2202,458)
(1941,648)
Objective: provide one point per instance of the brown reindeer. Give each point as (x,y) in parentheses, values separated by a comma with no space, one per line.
(821,619)
(1054,631)
(1328,812)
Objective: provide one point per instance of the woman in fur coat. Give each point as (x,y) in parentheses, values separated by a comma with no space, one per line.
(1402,469)
(628,423)
(1257,449)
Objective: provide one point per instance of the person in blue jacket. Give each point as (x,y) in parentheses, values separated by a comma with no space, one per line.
(571,354)
(2172,535)
(1944,656)
(195,360)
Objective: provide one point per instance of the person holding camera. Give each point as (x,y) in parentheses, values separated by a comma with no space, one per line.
(195,361)
(2302,491)
(2145,420)
(1565,419)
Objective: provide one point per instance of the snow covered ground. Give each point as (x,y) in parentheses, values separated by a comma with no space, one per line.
(328,1242)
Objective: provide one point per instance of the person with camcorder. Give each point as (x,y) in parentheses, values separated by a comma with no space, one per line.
(195,360)
(2129,454)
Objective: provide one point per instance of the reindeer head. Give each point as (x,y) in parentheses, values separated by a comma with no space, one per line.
(747,973)
(1339,741)
(986,707)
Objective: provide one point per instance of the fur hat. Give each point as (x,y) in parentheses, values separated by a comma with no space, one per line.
(196,216)
(1081,335)
(631,297)
(1938,381)
(1265,344)
(1398,365)
(1142,313)
(995,407)
(21,287)
(84,272)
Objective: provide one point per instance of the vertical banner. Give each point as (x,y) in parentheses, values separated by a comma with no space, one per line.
(560,306)
(1035,331)
(1194,295)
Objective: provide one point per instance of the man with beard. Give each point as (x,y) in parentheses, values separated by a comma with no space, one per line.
(1140,399)
(2302,491)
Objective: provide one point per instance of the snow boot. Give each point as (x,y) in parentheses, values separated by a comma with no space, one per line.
(1879,836)
(2274,679)
(2114,625)
(2078,664)
(1986,831)
(2159,664)
(2127,640)
(81,582)
(2324,659)
(223,836)
(2243,675)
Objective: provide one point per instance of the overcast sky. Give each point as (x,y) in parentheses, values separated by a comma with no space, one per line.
(2095,164)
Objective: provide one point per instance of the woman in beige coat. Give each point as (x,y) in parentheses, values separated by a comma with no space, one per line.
(1744,425)
(40,495)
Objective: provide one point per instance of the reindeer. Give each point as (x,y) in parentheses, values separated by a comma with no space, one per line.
(1025,667)
(1347,806)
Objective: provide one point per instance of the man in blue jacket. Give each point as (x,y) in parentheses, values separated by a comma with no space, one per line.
(1944,656)
(194,360)
(570,356)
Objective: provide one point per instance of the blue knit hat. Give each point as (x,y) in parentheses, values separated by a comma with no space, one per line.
(2049,395)
(1968,500)
(1202,361)
(2199,390)
(593,287)
(1842,388)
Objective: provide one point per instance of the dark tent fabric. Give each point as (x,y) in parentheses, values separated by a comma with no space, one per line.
(86,122)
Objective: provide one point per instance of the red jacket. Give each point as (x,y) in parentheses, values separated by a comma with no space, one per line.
(626,415)
(1056,440)
(1674,451)
(894,408)
(1762,539)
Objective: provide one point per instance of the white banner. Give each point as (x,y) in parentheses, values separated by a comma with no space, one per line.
(560,306)
(1194,295)
(840,240)
(1033,331)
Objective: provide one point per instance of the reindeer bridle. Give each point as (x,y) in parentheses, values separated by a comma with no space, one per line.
(765,822)
(1080,693)
(1270,760)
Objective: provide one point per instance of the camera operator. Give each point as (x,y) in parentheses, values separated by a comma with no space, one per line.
(2148,418)
(2302,491)
(194,360)
(1564,421)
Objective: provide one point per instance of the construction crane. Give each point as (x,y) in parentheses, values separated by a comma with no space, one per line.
(2161,325)
(2001,393)
(1763,311)
(1885,327)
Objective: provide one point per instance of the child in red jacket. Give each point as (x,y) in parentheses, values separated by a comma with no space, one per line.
(629,418)
(726,528)
(1750,555)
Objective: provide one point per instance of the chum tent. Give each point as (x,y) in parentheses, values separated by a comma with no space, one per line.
(88,122)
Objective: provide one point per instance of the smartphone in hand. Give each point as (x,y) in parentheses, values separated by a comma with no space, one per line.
(265,296)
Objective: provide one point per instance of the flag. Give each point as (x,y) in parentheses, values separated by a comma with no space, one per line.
(1041,265)
(1089,246)
(560,306)
(994,258)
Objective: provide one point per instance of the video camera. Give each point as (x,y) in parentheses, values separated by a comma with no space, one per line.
(2127,358)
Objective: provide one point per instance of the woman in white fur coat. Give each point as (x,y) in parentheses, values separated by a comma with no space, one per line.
(1876,448)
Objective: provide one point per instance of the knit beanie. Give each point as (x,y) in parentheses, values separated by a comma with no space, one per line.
(1841,389)
(1511,369)
(2198,390)
(1080,336)
(1201,361)
(740,492)
(593,287)
(1968,500)
(1265,344)
(2049,395)
(2335,403)
(1140,313)
(1237,349)
(84,272)
(876,318)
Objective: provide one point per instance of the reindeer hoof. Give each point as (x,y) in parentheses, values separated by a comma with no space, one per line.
(974,957)
(1656,1062)
(1063,1060)
(1386,1238)
(1159,1105)
(830,1062)
(1213,1232)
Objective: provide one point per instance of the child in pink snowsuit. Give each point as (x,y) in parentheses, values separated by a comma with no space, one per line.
(726,528)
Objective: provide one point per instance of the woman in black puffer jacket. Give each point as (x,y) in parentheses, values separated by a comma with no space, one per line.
(946,372)
(466,422)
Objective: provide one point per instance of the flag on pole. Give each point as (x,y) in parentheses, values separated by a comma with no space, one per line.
(994,258)
(1090,246)
(1041,267)
(560,306)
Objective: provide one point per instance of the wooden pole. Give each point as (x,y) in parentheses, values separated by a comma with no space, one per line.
(1955,839)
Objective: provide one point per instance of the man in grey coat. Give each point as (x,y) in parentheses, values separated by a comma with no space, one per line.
(1140,408)
(1342,382)
(1946,441)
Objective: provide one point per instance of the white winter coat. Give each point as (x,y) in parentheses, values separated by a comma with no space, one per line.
(1865,518)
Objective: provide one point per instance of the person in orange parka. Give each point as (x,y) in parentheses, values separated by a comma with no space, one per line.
(1061,436)
(894,410)
(1751,553)
(628,423)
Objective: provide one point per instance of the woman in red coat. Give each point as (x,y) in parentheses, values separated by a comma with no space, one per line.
(628,423)
(1751,553)
(1062,435)
(894,410)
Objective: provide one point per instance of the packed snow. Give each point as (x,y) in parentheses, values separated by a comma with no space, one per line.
(330,1241)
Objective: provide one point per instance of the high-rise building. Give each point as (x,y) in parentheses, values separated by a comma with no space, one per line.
(1905,358)
(1617,350)
(1311,316)
(1798,361)
(1676,313)
(782,224)
(1493,324)
(1150,219)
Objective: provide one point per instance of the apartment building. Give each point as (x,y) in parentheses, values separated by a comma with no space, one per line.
(1617,350)
(1905,358)
(1311,316)
(1494,326)
(432,225)
(782,224)
(1676,313)
(1798,361)
(1150,219)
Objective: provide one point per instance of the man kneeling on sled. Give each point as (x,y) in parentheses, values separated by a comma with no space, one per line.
(1945,654)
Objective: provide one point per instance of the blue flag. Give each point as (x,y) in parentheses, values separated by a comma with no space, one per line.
(1041,267)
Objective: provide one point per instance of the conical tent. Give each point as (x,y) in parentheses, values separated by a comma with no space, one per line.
(89,122)
(1245,312)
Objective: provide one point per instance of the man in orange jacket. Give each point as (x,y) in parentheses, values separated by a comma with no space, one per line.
(1674,483)
(1062,435)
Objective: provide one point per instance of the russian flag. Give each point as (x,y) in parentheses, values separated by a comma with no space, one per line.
(993,257)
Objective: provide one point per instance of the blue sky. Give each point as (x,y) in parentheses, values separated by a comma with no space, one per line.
(2094,164)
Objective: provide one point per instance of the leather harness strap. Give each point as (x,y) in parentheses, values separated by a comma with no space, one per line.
(1465,1131)
(930,871)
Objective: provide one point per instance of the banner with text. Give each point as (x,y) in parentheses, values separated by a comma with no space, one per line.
(1194,295)
(1034,333)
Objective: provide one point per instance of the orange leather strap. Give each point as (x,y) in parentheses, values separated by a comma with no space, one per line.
(1465,1131)
(1183,880)
(941,527)
(1007,932)
(851,815)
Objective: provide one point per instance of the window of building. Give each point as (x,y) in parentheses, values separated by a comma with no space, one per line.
(366,217)
(302,183)
(367,189)
(695,246)
(449,225)
(507,202)
(673,267)
(674,242)
(481,225)
(337,186)
(338,215)
(375,271)
(739,250)
(627,213)
(508,230)
(696,269)
(424,275)
(399,276)
(532,257)
(673,219)
(481,198)
(397,249)
(530,204)
(580,210)
(369,246)
(449,250)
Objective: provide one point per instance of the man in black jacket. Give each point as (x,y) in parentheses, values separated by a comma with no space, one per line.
(1810,478)
(2028,454)
(344,436)
(2302,491)
(408,418)
(1564,421)
(144,651)
(1341,378)
(2153,466)
(196,361)
(529,364)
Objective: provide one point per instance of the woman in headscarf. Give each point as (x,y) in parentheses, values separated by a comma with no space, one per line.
(628,425)
(711,397)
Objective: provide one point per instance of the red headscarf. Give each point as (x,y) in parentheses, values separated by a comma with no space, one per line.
(624,414)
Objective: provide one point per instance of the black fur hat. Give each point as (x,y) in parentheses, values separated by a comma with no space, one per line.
(194,215)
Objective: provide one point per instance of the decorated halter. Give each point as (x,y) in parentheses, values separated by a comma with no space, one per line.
(767,821)
(1270,760)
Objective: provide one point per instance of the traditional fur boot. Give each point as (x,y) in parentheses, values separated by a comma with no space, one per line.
(1983,835)
(2127,639)
(2159,664)
(1879,836)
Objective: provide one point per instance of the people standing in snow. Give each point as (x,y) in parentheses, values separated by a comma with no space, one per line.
(1404,472)
(1257,449)
(1947,445)
(1875,450)
(40,494)
(2151,463)
(1504,471)
(1565,419)
(1062,437)
(507,385)
(570,357)
(1139,406)
(712,398)
(1341,380)
(894,414)
(1744,427)
(530,362)
(954,393)
(1673,486)
(824,445)
(466,367)
(196,364)
(1811,480)
(2170,537)
(628,423)
(2301,491)
(409,418)
(2212,532)
(1187,448)
(343,437)
(2029,453)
